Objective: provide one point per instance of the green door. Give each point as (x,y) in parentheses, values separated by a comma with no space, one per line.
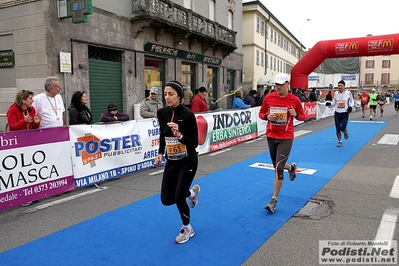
(105,81)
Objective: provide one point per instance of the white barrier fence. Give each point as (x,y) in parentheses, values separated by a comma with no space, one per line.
(45,162)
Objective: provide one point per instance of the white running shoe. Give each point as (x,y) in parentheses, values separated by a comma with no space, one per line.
(193,201)
(271,206)
(184,235)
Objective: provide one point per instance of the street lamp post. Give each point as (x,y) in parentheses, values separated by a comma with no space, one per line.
(300,39)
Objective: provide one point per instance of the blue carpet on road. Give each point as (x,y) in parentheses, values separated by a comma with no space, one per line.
(230,220)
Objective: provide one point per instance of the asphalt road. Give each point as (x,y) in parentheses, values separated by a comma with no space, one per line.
(352,202)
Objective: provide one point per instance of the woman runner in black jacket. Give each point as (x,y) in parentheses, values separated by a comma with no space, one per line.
(178,141)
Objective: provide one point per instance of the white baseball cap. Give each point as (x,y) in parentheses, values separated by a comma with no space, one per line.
(281,78)
(373,90)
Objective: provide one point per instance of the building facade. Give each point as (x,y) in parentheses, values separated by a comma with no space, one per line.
(268,46)
(380,73)
(122,50)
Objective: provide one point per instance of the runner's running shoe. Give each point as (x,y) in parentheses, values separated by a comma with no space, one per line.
(271,206)
(184,235)
(193,201)
(346,134)
(339,144)
(292,173)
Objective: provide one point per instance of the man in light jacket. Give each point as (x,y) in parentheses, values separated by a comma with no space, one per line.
(150,105)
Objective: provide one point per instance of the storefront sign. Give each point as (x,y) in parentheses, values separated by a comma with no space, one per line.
(173,52)
(65,63)
(7,59)
(79,9)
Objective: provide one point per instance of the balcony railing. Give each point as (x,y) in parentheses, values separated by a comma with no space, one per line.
(9,3)
(171,14)
(388,83)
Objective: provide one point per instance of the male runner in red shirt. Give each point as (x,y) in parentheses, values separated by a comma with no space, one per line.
(279,109)
(364,101)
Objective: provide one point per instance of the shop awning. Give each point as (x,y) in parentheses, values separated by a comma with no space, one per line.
(264,81)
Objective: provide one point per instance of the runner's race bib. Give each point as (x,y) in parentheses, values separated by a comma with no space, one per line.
(341,104)
(174,149)
(281,115)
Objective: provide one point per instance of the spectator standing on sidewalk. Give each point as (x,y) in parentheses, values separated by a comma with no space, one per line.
(296,93)
(238,102)
(329,96)
(49,104)
(313,95)
(280,108)
(187,97)
(198,103)
(150,105)
(250,99)
(21,115)
(79,113)
(112,114)
(259,98)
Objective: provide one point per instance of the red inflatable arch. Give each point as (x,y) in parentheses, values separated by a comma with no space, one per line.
(365,46)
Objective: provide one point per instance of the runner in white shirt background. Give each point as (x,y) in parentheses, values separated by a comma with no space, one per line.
(343,102)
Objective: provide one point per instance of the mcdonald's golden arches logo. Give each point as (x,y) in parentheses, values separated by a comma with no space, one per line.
(352,46)
(387,44)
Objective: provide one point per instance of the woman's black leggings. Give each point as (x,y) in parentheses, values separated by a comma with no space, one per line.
(176,182)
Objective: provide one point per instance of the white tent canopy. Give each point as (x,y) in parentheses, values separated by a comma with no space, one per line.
(320,80)
(265,81)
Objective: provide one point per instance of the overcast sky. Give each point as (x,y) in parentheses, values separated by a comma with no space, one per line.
(338,19)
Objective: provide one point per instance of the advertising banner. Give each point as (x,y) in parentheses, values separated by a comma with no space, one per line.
(106,151)
(261,123)
(35,164)
(218,130)
(229,128)
(310,109)
(204,124)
